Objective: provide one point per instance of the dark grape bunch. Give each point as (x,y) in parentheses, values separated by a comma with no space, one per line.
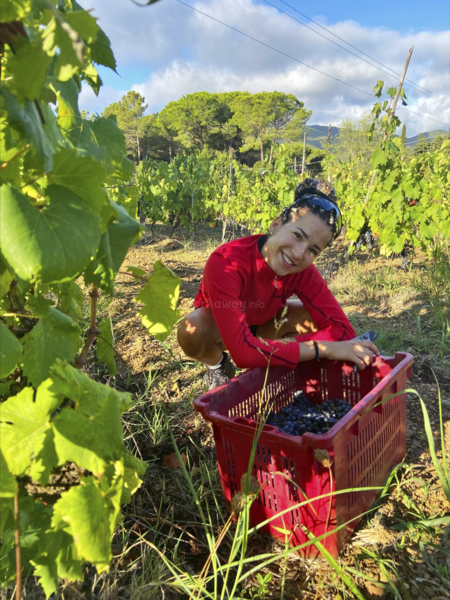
(301,416)
(366,238)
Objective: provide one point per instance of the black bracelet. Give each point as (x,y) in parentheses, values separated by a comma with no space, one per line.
(316,348)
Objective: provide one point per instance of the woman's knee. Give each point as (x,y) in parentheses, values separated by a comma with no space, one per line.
(195,331)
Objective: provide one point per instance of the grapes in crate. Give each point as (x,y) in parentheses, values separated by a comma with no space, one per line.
(300,416)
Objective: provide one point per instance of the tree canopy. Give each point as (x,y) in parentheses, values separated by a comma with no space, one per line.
(247,125)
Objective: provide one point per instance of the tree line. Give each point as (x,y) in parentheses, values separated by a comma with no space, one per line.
(246,125)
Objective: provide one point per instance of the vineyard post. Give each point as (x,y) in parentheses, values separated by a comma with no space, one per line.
(391,114)
(304,151)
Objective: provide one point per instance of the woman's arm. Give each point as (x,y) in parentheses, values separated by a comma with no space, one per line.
(331,321)
(222,288)
(358,352)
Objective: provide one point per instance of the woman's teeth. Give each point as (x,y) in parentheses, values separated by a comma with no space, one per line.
(287,260)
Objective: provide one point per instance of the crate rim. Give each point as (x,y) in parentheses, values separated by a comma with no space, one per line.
(362,407)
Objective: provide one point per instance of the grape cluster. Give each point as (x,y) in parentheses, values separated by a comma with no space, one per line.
(366,238)
(301,416)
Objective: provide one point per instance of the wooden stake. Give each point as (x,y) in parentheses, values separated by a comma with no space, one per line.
(304,151)
(391,114)
(329,134)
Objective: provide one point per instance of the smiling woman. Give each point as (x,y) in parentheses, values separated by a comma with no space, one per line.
(245,305)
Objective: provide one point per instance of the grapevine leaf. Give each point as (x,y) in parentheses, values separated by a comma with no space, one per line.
(8,154)
(6,514)
(84,511)
(23,424)
(34,518)
(101,52)
(38,305)
(55,336)
(88,395)
(14,10)
(59,559)
(68,63)
(105,345)
(6,276)
(378,88)
(131,201)
(378,157)
(160,298)
(8,485)
(114,246)
(82,175)
(51,128)
(53,243)
(69,117)
(92,440)
(92,78)
(10,351)
(104,133)
(45,460)
(136,271)
(72,299)
(134,468)
(29,67)
(25,120)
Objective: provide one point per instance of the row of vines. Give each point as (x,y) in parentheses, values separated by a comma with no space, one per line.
(405,201)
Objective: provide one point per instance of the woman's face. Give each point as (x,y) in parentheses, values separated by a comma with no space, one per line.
(292,247)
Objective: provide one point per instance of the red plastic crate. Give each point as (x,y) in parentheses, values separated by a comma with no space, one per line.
(363,446)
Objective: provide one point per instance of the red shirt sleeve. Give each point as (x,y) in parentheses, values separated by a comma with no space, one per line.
(323,307)
(228,311)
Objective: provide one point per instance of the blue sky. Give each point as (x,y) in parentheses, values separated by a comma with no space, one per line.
(167,50)
(400,15)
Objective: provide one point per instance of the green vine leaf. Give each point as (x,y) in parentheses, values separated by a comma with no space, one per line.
(84,513)
(10,351)
(55,336)
(8,484)
(113,249)
(14,10)
(82,175)
(105,345)
(27,124)
(29,67)
(51,243)
(160,298)
(23,425)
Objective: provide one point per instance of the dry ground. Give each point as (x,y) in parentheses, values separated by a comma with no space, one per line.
(395,553)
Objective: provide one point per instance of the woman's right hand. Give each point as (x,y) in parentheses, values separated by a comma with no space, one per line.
(357,351)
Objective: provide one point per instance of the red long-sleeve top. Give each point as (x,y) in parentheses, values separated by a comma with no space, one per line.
(242,290)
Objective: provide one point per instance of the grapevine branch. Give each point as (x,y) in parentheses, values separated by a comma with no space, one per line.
(17,542)
(24,149)
(93,330)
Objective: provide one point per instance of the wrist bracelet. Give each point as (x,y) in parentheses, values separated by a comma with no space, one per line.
(316,348)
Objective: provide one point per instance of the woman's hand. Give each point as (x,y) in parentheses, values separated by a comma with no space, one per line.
(357,351)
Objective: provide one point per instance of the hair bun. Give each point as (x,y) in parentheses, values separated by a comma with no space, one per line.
(318,186)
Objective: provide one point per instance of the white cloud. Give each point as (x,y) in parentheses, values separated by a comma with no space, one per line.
(186,52)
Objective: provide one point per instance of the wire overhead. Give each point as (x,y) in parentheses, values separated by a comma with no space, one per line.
(295,59)
(416,85)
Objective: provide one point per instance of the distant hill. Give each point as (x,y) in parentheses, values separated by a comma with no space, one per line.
(318,134)
(430,135)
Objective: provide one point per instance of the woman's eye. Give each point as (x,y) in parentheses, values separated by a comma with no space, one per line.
(298,236)
(313,252)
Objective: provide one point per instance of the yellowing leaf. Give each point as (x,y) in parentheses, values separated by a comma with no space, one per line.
(160,298)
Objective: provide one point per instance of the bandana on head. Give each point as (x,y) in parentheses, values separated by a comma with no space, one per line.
(316,187)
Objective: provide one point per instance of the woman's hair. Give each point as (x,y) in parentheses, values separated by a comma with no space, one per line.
(313,187)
